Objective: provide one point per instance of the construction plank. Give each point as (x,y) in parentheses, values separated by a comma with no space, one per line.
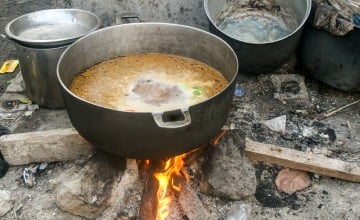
(299,160)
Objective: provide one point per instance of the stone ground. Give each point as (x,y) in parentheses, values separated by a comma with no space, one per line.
(337,136)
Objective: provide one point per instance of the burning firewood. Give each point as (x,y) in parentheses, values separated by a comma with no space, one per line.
(148,202)
(191,204)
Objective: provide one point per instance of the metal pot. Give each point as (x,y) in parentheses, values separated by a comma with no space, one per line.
(333,60)
(40,38)
(256,58)
(148,135)
(38,69)
(52,27)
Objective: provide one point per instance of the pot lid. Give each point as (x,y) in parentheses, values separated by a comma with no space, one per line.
(53,27)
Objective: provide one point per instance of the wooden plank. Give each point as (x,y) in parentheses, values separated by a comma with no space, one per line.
(302,161)
(45,146)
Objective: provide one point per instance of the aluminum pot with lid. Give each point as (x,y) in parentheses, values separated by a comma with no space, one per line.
(52,27)
(40,38)
(148,135)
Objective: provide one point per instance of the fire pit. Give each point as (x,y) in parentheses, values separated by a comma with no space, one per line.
(220,183)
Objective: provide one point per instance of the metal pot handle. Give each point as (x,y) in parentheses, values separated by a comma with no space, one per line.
(127,18)
(158,118)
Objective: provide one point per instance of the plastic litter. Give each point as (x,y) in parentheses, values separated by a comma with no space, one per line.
(29,175)
(277,124)
(357,19)
(239,91)
(9,66)
(239,211)
(43,166)
(25,100)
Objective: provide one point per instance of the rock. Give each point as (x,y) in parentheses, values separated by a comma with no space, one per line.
(290,181)
(125,197)
(239,211)
(289,86)
(5,202)
(44,146)
(16,85)
(43,207)
(229,172)
(277,124)
(85,192)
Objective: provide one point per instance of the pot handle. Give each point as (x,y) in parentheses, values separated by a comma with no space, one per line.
(127,18)
(158,118)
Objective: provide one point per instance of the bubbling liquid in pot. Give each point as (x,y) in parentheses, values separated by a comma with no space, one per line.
(151,82)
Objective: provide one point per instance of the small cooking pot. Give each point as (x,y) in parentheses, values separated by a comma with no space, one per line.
(256,58)
(148,135)
(40,38)
(51,28)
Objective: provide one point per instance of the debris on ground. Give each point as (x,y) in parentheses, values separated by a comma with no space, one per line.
(9,66)
(29,175)
(277,124)
(6,202)
(289,86)
(239,211)
(335,16)
(290,180)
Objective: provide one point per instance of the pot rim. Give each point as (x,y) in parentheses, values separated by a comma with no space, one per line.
(140,24)
(307,13)
(50,43)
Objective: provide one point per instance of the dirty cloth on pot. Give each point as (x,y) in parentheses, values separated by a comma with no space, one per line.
(337,17)
(255,21)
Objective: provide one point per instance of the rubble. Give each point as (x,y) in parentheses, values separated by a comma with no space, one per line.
(17,84)
(29,175)
(229,172)
(239,211)
(290,180)
(289,86)
(277,124)
(124,200)
(6,202)
(87,191)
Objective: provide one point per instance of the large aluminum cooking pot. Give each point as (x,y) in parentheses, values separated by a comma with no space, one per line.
(148,135)
(256,58)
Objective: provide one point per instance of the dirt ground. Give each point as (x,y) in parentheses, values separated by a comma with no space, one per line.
(337,136)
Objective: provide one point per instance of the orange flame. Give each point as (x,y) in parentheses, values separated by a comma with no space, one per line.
(218,137)
(173,168)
